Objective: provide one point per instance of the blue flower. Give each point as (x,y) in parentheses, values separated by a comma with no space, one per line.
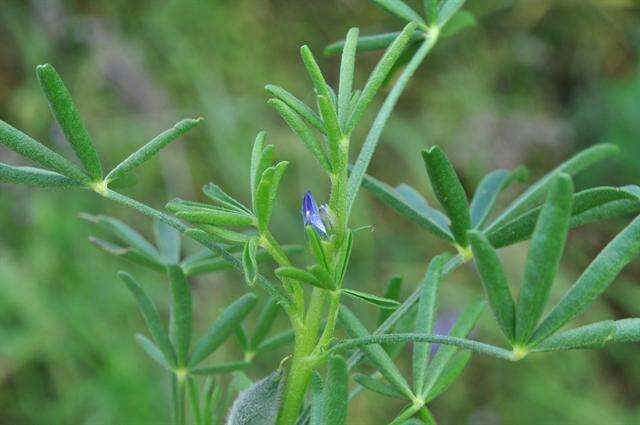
(311,215)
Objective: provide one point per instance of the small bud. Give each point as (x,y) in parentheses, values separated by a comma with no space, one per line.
(311,215)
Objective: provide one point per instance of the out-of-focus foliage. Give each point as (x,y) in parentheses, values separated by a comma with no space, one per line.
(532,82)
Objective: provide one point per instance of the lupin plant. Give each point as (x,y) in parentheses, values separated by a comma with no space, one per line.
(311,385)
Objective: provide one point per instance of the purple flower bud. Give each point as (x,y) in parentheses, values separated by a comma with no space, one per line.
(311,215)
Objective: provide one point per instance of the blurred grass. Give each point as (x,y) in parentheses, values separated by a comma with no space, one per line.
(534,82)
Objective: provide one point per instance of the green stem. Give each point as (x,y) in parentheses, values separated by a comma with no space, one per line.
(406,414)
(180,390)
(332,318)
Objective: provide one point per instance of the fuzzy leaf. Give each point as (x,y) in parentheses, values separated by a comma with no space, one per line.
(168,241)
(276,341)
(127,253)
(375,353)
(224,325)
(379,302)
(627,330)
(152,148)
(261,158)
(595,335)
(392,292)
(460,21)
(322,275)
(332,127)
(593,281)
(347,66)
(216,217)
(297,105)
(319,83)
(315,417)
(67,115)
(220,368)
(264,323)
(303,276)
(544,256)
(336,392)
(266,193)
(34,177)
(448,8)
(249,263)
(494,282)
(259,404)
(315,246)
(424,320)
(24,145)
(343,255)
(379,75)
(151,317)
(153,351)
(215,193)
(425,218)
(180,313)
(400,9)
(377,386)
(535,192)
(224,235)
(371,42)
(488,190)
(449,192)
(451,372)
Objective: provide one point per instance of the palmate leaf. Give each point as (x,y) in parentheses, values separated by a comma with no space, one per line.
(222,327)
(590,205)
(216,194)
(377,386)
(153,351)
(67,115)
(544,255)
(449,192)
(375,353)
(26,146)
(488,190)
(427,218)
(451,372)
(37,177)
(535,192)
(593,281)
(152,148)
(335,392)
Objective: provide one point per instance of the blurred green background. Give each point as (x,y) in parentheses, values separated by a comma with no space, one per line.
(532,83)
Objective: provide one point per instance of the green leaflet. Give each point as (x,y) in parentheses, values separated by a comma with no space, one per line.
(463,326)
(431,10)
(488,190)
(216,217)
(277,341)
(222,327)
(259,404)
(24,145)
(67,115)
(379,302)
(297,105)
(152,148)
(249,262)
(181,320)
(460,21)
(303,131)
(220,368)
(319,83)
(535,192)
(212,395)
(322,275)
(335,392)
(424,320)
(315,246)
(126,234)
(627,330)
(392,292)
(494,282)
(417,201)
(593,281)
(224,235)
(595,335)
(379,75)
(374,353)
(266,193)
(168,241)
(303,276)
(265,320)
(448,8)
(343,258)
(347,66)
(316,417)
(400,9)
(34,177)
(598,203)
(451,372)
(152,319)
(449,192)
(377,386)
(153,351)
(371,42)
(128,253)
(193,393)
(425,218)
(261,158)
(333,130)
(544,256)
(216,194)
